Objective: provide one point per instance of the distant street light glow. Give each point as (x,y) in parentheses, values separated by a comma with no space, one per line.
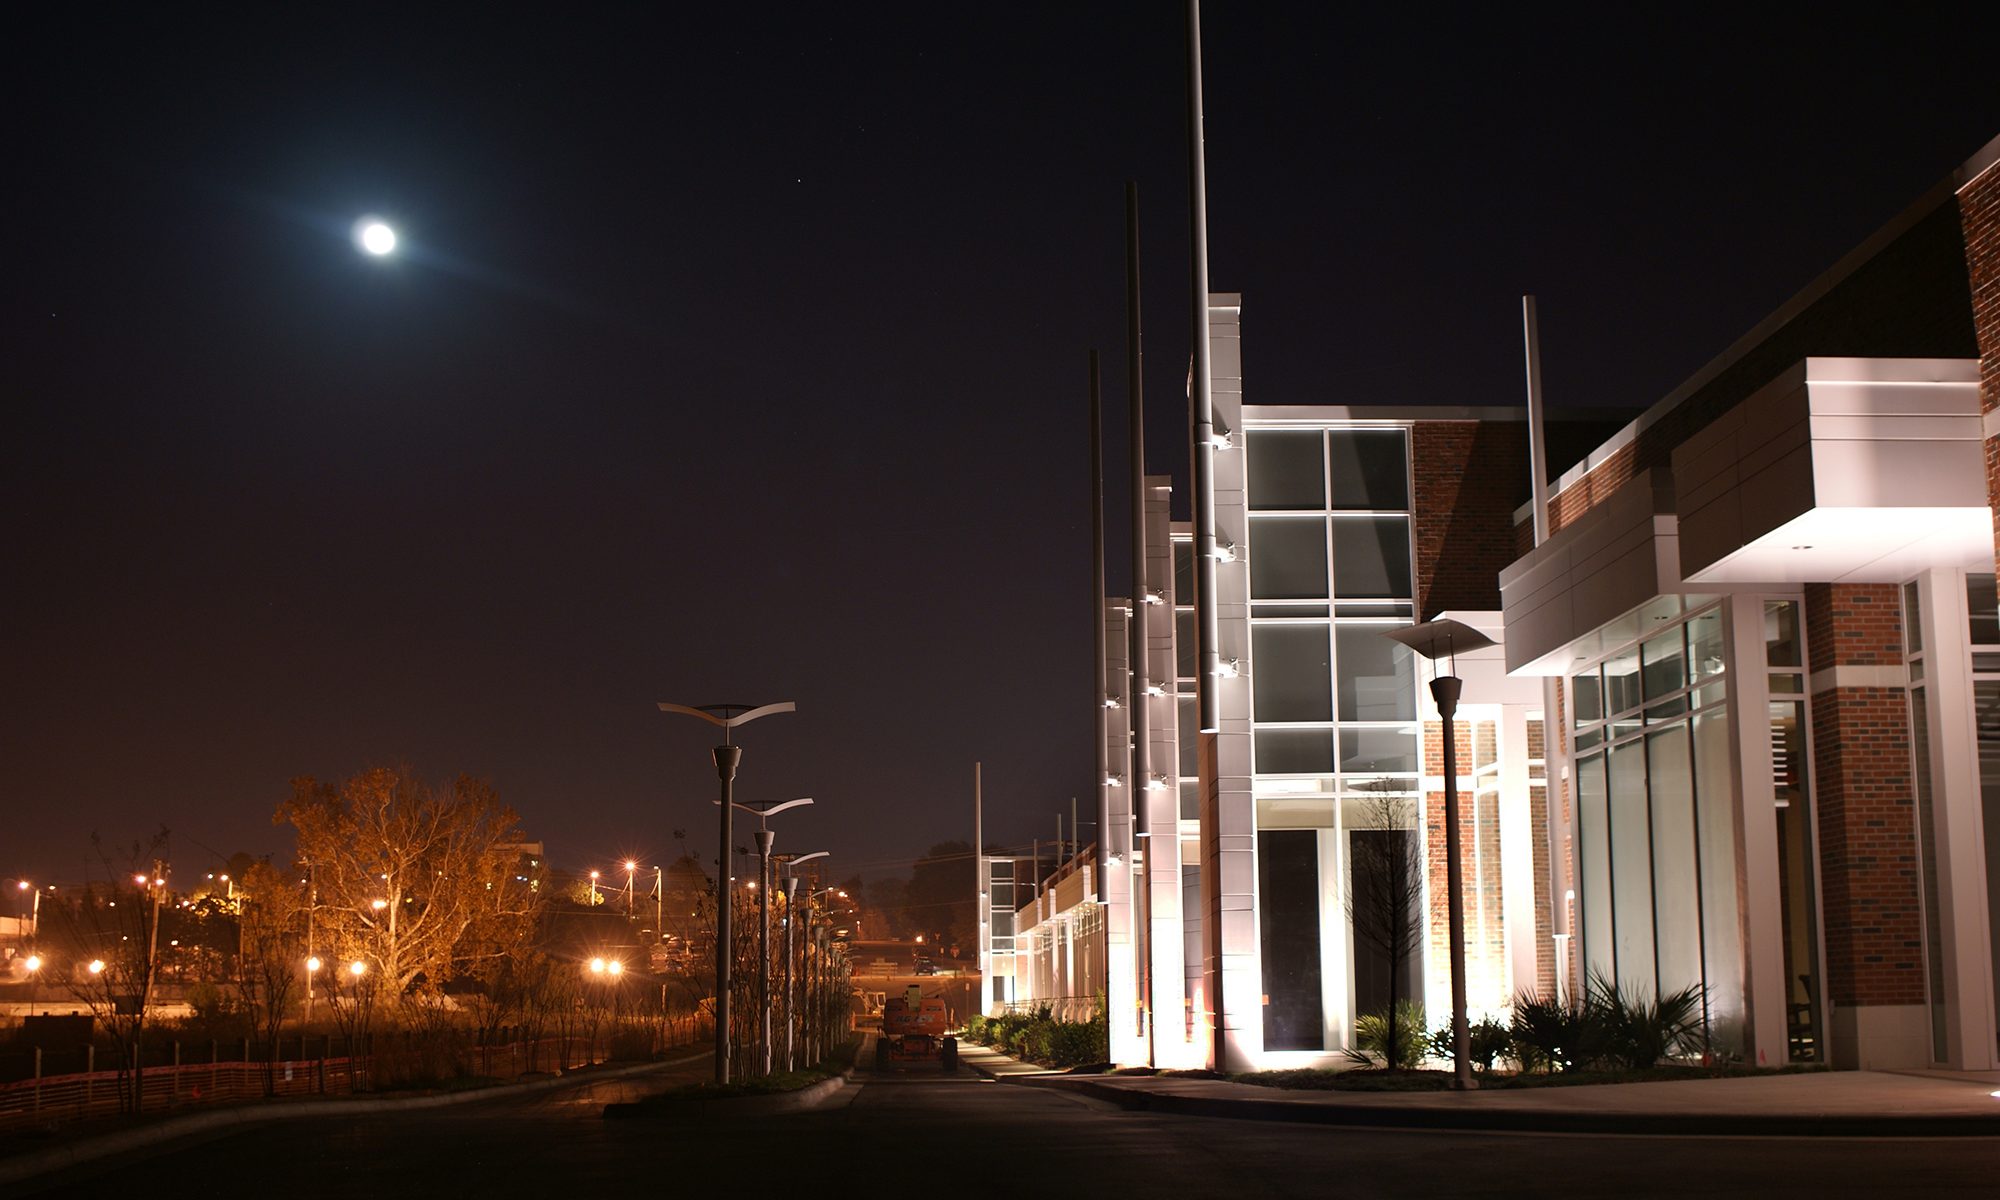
(375,237)
(97,966)
(358,967)
(313,963)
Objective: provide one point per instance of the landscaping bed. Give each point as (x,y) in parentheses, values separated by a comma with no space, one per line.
(776,1083)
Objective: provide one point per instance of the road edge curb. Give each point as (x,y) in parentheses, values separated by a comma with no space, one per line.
(1524,1121)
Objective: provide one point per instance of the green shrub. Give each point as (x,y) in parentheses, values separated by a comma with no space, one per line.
(1639,1031)
(1371,1037)
(1487,1040)
(1079,1043)
(1553,1033)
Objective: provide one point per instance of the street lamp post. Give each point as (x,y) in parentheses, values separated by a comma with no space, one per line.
(764,810)
(727,756)
(791,919)
(1440,640)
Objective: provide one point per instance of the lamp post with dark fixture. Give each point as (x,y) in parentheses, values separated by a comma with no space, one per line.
(766,836)
(1442,640)
(727,757)
(791,919)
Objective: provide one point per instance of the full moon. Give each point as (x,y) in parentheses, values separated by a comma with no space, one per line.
(376,238)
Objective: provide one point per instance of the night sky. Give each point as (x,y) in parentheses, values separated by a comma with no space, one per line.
(742,358)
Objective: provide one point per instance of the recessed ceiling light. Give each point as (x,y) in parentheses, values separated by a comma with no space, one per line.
(1801,547)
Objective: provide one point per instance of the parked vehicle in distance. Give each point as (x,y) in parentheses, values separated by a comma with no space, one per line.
(925,967)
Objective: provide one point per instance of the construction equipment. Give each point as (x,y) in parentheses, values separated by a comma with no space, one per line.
(913,1030)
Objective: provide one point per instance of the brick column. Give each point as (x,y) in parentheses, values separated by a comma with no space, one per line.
(1979,216)
(1871,902)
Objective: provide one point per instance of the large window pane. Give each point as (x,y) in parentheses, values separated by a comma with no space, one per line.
(1631,867)
(1285,470)
(1290,671)
(1185,664)
(1378,751)
(1621,682)
(1370,468)
(1721,918)
(1796,905)
(1705,645)
(1982,610)
(1189,723)
(1986,713)
(1781,633)
(1676,871)
(1587,694)
(1593,866)
(1377,678)
(1664,665)
(1288,928)
(1920,735)
(1293,751)
(1183,572)
(1371,557)
(1287,558)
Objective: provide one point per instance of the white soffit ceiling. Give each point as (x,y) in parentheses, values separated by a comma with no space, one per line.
(1860,545)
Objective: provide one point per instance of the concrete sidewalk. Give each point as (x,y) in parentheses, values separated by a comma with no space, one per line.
(1821,1104)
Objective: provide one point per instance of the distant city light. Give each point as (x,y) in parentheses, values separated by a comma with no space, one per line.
(34,962)
(615,967)
(313,963)
(358,968)
(97,966)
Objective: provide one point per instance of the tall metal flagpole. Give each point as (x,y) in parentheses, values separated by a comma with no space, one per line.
(1201,400)
(1555,745)
(1102,698)
(1141,774)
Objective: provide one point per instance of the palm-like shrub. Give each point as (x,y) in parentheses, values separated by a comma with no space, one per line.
(1640,1030)
(1377,1040)
(1553,1033)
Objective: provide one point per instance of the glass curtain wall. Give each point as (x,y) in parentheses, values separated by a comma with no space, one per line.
(1655,838)
(1798,893)
(1983,618)
(1334,703)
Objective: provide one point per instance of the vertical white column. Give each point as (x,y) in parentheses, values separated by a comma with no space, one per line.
(1171,1047)
(1233,970)
(1517,851)
(1759,881)
(1121,989)
(1956,812)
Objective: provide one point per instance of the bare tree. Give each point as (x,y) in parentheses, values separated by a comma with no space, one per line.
(115,924)
(1385,899)
(418,881)
(271,913)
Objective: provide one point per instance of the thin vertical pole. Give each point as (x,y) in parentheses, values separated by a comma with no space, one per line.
(1555,745)
(764,840)
(1538,446)
(727,757)
(791,919)
(1102,696)
(1142,764)
(985,914)
(1445,690)
(1201,400)
(1141,774)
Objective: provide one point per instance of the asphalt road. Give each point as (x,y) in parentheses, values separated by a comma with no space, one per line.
(924,1132)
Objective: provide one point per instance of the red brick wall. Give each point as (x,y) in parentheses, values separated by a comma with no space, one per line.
(1979,218)
(1873,919)
(1469,477)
